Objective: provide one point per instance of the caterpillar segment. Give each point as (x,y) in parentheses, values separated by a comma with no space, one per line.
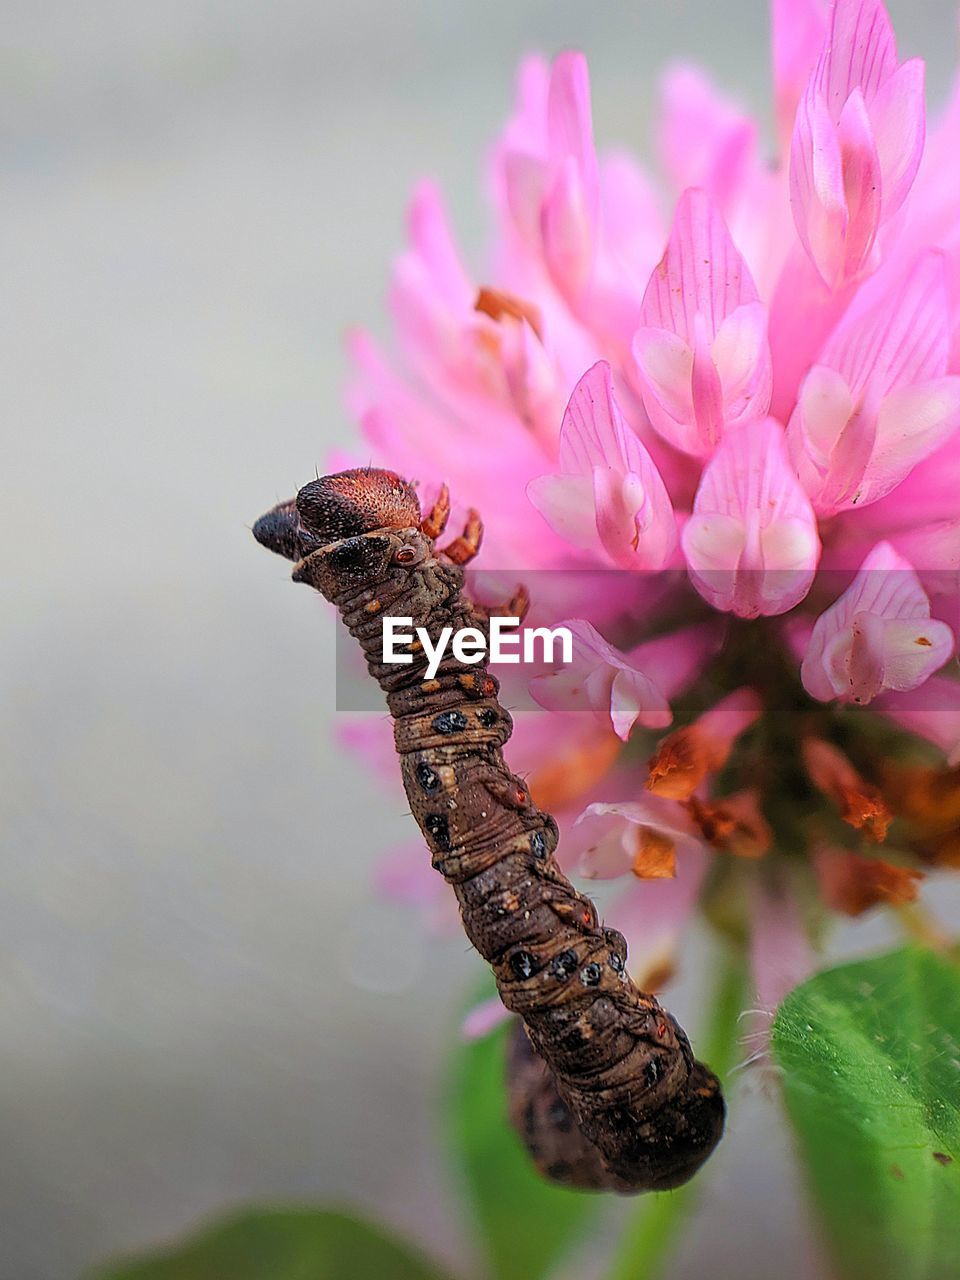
(605,1090)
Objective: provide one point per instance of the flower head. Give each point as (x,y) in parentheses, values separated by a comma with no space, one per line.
(735,382)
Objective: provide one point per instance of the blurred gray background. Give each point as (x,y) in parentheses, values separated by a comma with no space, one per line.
(200,1003)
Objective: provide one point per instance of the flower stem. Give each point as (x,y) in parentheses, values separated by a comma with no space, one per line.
(652,1228)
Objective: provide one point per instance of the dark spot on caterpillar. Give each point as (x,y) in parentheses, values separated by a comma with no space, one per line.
(529,1119)
(352,535)
(560,1117)
(941,1157)
(438,827)
(450,722)
(428,778)
(618,949)
(523,964)
(348,555)
(563,965)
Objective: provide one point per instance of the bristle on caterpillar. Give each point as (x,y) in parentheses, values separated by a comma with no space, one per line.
(605,1090)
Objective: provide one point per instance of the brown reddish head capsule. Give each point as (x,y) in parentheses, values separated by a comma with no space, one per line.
(345,505)
(356,502)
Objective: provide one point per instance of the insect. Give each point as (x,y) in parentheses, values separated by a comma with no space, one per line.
(606,1092)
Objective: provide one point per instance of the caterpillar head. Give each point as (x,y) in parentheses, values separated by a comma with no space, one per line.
(346,529)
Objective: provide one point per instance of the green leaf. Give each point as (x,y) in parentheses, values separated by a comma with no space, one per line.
(282,1244)
(871,1060)
(525,1224)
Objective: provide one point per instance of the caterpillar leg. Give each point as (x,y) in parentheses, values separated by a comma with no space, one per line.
(435,521)
(462,549)
(518,606)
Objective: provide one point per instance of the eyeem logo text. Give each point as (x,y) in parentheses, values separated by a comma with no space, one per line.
(470,644)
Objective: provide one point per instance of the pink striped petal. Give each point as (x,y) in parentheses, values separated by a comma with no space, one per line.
(702,350)
(899,127)
(601,680)
(862,183)
(877,404)
(817,195)
(610,495)
(751,543)
(857,141)
(861,52)
(894,336)
(878,635)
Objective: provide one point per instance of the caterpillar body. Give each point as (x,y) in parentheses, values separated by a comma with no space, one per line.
(606,1092)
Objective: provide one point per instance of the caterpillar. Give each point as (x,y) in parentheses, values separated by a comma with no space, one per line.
(605,1090)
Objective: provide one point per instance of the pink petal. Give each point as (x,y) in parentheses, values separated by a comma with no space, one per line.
(635,699)
(701,272)
(567,231)
(611,832)
(569,120)
(860,52)
(404,875)
(780,951)
(862,184)
(912,423)
(593,432)
(652,914)
(817,195)
(857,141)
(610,480)
(878,635)
(898,119)
(877,404)
(932,711)
(739,351)
(602,681)
(704,139)
(665,363)
(568,505)
(701,281)
(525,180)
(432,242)
(895,336)
(751,543)
(632,223)
(369,736)
(674,660)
